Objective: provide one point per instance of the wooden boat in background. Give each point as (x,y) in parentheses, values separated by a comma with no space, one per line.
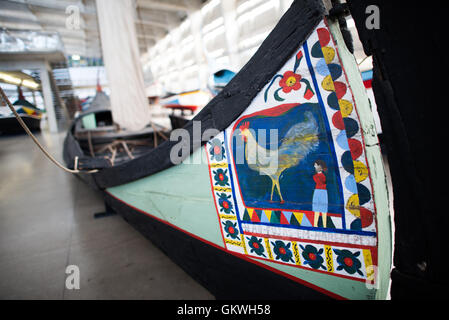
(29,113)
(316,225)
(98,142)
(180,120)
(220,79)
(185,105)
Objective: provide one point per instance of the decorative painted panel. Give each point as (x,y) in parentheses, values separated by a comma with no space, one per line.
(290,177)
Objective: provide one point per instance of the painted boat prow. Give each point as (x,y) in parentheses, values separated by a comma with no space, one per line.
(214,214)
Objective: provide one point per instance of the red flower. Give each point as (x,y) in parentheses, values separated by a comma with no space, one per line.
(290,81)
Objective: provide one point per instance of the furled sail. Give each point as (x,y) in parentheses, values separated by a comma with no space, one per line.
(122,62)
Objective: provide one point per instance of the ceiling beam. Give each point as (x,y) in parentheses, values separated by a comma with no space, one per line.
(30,26)
(28,20)
(154,24)
(148,36)
(157,32)
(171,17)
(80,40)
(164,6)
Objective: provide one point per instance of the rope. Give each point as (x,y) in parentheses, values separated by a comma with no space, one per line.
(46,153)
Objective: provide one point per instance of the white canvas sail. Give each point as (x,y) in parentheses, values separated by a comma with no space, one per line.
(129,104)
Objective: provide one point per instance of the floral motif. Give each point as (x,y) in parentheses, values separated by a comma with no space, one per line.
(217,150)
(221,178)
(312,256)
(225,204)
(348,261)
(290,81)
(282,251)
(256,246)
(231,229)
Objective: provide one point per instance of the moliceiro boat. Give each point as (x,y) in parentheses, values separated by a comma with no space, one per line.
(96,141)
(301,213)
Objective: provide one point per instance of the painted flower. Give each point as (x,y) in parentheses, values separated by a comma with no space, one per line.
(256,246)
(312,256)
(282,251)
(217,150)
(290,81)
(225,204)
(348,261)
(221,178)
(231,229)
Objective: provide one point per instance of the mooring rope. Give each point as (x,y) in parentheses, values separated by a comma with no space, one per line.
(28,131)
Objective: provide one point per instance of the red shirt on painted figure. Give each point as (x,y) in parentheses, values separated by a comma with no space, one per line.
(320,180)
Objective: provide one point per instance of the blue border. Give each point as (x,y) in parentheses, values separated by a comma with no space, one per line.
(323,110)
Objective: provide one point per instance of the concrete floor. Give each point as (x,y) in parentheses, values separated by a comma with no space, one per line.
(46,224)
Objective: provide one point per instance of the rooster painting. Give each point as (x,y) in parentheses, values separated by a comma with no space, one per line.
(299,140)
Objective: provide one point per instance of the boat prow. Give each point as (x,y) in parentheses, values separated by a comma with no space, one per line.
(314,222)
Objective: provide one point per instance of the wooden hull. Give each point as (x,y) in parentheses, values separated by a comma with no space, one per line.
(99,147)
(212,266)
(176,210)
(10,125)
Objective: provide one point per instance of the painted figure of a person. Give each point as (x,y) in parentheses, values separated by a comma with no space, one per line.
(320,201)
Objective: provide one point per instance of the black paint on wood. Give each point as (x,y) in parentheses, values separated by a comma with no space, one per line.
(223,274)
(409,64)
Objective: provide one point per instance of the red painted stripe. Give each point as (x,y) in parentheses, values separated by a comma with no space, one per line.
(181,107)
(286,275)
(368,83)
(270,112)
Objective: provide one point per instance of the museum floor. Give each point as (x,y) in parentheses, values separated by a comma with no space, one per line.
(47,224)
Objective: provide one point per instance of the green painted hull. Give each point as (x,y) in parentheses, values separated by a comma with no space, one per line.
(181,197)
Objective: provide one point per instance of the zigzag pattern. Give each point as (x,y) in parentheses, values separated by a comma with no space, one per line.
(291,218)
